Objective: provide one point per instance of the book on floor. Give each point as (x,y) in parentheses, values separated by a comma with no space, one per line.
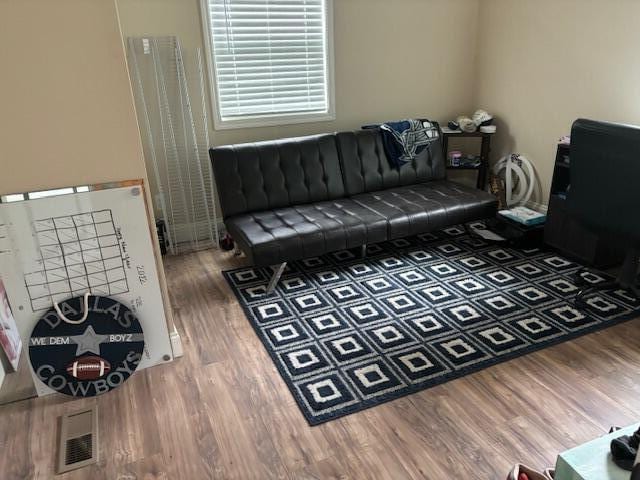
(524,215)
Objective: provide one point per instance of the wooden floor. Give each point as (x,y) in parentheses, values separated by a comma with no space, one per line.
(222,411)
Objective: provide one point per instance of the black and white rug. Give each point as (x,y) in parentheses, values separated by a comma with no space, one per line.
(348,333)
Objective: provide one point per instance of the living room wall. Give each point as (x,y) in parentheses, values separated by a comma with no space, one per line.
(390,61)
(537,65)
(544,63)
(67,112)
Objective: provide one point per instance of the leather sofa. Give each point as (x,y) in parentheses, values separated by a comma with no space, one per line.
(295,198)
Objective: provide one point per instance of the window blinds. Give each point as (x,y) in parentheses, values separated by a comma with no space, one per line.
(270,56)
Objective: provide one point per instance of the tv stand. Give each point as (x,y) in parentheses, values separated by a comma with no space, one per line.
(563,232)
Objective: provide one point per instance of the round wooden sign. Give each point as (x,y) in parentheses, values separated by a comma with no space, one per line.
(86,346)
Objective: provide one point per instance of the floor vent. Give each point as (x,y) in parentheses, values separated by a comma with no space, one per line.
(78,440)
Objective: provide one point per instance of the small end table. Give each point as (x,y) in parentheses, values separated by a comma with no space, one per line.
(485,148)
(517,234)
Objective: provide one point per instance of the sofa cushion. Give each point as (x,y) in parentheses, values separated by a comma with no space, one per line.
(366,168)
(254,177)
(302,231)
(426,207)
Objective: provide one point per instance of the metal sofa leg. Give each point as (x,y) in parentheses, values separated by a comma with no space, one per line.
(275,278)
(579,300)
(363,251)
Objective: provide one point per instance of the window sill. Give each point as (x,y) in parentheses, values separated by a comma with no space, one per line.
(273,121)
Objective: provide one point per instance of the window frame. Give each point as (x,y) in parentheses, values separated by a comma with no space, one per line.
(271,120)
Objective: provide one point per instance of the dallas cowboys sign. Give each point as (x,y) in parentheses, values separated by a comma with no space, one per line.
(86,346)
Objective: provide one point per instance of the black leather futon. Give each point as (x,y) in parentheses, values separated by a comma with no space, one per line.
(295,198)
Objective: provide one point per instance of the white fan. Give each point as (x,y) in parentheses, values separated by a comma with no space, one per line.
(519,178)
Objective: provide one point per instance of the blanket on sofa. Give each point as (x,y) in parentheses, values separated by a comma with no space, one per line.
(406,139)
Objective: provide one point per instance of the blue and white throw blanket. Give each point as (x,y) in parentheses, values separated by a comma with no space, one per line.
(405,140)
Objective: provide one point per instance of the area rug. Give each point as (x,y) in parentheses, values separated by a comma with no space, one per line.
(348,333)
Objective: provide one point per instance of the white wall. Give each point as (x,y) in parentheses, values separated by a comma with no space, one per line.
(390,58)
(67,112)
(536,64)
(544,63)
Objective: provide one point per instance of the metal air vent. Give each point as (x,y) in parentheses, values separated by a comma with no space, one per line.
(78,444)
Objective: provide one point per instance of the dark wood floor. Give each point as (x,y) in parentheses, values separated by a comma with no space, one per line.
(222,411)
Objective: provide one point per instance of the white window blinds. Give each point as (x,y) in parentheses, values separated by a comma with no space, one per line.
(270,57)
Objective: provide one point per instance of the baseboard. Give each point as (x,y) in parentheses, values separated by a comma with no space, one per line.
(184,237)
(176,343)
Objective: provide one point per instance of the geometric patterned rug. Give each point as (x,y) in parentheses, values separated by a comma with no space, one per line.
(348,333)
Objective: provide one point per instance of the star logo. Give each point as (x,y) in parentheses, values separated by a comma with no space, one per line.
(89,341)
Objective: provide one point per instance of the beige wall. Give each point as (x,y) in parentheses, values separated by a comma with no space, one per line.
(544,63)
(392,59)
(537,65)
(540,64)
(67,116)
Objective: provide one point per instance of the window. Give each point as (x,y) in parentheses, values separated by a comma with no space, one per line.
(270,61)
(19,197)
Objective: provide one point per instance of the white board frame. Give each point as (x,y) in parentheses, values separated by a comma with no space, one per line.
(19,255)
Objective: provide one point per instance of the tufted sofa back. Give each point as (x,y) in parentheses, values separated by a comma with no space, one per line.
(365,166)
(267,175)
(254,177)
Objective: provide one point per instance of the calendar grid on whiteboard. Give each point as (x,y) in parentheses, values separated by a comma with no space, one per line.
(78,253)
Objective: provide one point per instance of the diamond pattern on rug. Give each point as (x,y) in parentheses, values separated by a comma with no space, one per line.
(347,333)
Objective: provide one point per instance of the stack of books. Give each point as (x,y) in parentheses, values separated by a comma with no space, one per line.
(524,216)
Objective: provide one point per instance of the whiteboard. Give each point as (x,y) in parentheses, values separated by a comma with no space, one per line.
(59,247)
